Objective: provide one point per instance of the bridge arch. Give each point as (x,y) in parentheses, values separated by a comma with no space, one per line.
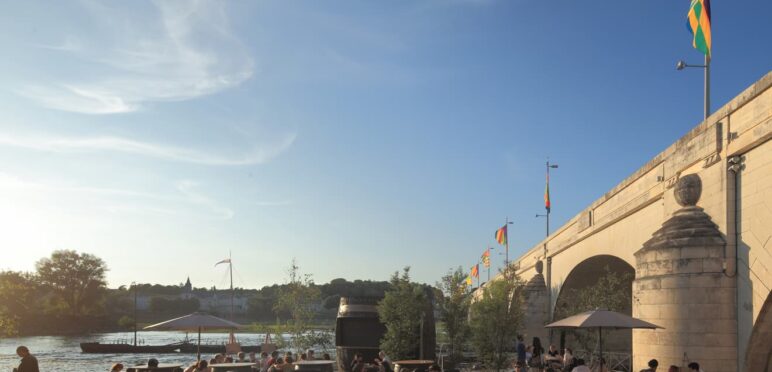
(586,274)
(759,353)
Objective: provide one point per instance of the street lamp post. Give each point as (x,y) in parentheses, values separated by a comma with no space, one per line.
(547,215)
(682,65)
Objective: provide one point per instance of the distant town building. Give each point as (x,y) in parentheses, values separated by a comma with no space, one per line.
(212,301)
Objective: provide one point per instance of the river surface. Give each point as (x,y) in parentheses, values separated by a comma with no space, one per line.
(62,353)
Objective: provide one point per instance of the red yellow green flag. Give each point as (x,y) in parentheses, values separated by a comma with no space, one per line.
(468,280)
(501,235)
(475,271)
(486,258)
(547,203)
(698,21)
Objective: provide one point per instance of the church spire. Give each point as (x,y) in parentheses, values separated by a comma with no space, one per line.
(188,287)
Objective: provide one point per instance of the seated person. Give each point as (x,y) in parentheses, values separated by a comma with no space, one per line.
(277,366)
(288,365)
(580,367)
(383,364)
(152,363)
(552,353)
(358,364)
(653,364)
(201,366)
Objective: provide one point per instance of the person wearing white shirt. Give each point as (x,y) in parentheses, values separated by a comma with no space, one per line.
(568,357)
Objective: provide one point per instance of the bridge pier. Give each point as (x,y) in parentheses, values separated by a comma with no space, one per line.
(680,285)
(536,311)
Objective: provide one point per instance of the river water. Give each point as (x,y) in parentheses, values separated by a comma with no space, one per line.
(62,353)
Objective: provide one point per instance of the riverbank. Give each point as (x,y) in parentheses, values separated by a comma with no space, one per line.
(62,353)
(81,327)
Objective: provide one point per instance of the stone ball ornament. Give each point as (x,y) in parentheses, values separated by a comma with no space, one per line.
(539,267)
(688,190)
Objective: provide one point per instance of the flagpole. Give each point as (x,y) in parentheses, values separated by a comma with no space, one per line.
(230,268)
(506,259)
(547,206)
(489,264)
(548,209)
(707,86)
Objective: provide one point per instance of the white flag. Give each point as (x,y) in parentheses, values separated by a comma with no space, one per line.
(227,260)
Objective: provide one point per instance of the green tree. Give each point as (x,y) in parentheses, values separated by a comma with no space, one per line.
(126,323)
(19,300)
(161,304)
(261,306)
(77,280)
(495,318)
(331,302)
(612,292)
(454,311)
(301,299)
(401,311)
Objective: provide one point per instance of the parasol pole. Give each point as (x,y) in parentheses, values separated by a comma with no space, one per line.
(600,343)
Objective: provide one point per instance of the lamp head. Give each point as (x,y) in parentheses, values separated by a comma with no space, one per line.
(680,65)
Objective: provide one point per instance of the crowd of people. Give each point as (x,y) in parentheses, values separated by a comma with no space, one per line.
(533,358)
(266,362)
(530,358)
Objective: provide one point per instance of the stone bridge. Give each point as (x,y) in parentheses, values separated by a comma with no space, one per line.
(702,272)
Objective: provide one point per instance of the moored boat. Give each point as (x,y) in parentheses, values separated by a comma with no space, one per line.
(123,348)
(215,348)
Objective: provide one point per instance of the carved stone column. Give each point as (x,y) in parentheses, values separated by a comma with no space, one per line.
(680,285)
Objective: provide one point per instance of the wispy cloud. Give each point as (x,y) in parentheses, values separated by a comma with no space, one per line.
(182,50)
(188,188)
(185,200)
(257,154)
(70,44)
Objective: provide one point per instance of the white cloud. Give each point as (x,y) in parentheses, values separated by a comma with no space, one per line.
(258,154)
(182,50)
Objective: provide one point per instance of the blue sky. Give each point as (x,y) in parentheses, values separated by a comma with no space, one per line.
(358,137)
